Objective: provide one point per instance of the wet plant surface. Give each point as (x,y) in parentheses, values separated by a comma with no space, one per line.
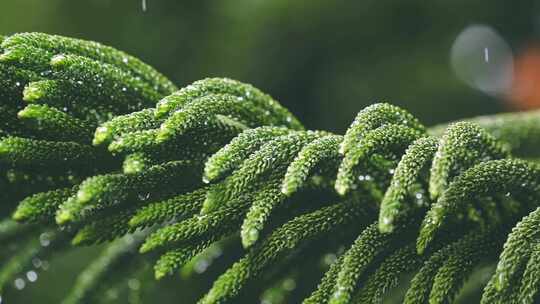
(98,147)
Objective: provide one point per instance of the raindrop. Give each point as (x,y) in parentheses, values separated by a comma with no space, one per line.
(144,5)
(216,252)
(31,276)
(134,284)
(19,283)
(329,258)
(144,197)
(201,266)
(45,265)
(44,239)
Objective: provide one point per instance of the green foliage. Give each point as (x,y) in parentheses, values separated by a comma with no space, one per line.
(84,157)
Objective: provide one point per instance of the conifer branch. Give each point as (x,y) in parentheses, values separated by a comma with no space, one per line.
(97,143)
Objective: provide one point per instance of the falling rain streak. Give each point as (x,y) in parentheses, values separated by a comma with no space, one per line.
(144,5)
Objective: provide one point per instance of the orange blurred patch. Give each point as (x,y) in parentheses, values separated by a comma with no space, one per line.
(525,91)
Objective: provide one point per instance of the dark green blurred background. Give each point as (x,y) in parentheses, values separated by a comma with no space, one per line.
(324,60)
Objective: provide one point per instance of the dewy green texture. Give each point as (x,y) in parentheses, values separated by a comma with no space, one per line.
(97,146)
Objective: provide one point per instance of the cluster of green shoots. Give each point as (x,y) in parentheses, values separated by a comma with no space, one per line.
(96,146)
